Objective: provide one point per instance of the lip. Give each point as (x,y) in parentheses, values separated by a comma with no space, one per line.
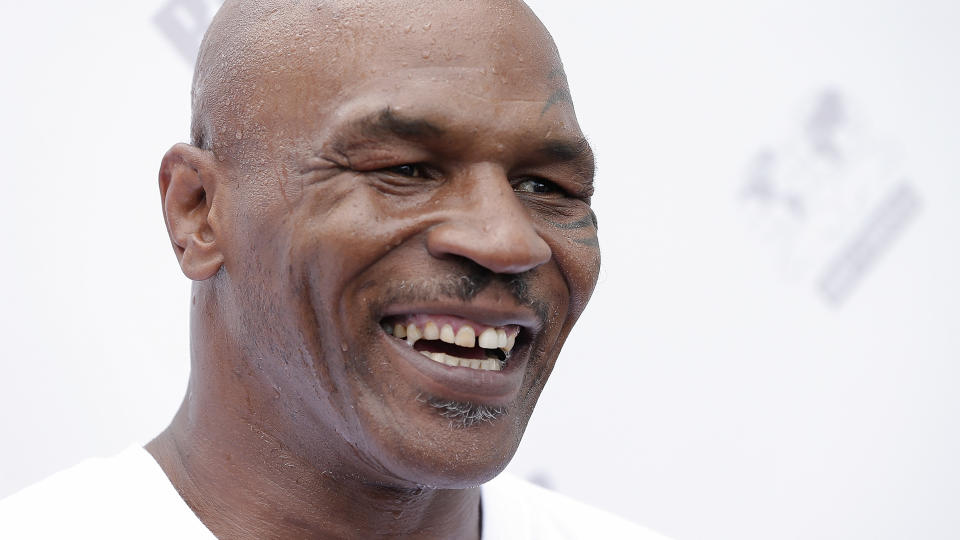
(493,316)
(494,388)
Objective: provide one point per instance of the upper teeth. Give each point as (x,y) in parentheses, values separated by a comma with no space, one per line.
(503,338)
(488,339)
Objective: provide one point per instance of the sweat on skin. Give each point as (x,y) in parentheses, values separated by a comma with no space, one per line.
(385,211)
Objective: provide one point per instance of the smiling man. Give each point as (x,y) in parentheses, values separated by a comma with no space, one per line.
(385,210)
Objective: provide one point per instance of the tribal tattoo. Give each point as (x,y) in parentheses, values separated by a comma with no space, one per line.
(560,95)
(582,223)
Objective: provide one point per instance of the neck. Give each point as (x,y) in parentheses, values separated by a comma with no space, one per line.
(253,489)
(223,456)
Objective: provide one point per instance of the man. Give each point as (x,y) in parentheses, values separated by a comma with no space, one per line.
(386,215)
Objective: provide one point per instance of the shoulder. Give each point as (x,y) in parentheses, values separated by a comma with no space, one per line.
(513,508)
(125,496)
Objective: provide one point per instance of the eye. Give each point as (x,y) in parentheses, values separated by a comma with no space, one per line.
(409,170)
(536,185)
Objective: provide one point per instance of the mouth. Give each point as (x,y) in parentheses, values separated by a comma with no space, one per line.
(453,341)
(467,354)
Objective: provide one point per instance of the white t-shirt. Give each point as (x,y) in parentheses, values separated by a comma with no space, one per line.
(129,496)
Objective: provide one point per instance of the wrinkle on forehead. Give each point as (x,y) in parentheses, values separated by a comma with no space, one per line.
(253,49)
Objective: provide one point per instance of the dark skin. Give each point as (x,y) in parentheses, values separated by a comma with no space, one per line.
(356,161)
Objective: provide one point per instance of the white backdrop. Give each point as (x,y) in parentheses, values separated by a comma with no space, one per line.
(772,351)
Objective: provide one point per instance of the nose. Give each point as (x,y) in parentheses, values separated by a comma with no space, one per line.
(489,225)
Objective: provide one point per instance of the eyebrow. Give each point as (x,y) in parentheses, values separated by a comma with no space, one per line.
(387,123)
(577,152)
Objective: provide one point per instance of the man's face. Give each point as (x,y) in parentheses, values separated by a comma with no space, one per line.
(431,181)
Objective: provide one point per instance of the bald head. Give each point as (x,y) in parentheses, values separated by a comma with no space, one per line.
(364,167)
(255,50)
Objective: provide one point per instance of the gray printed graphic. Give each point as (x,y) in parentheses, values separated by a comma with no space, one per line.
(184,22)
(879,231)
(830,200)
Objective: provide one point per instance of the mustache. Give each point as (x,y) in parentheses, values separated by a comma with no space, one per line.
(465,284)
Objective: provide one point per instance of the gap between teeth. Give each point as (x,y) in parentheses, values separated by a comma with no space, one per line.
(491,338)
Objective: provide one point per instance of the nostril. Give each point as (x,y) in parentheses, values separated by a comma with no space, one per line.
(501,249)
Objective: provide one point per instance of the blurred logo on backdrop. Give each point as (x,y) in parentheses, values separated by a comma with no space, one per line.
(183,23)
(830,200)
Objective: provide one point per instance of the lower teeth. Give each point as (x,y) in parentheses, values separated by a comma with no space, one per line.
(490,364)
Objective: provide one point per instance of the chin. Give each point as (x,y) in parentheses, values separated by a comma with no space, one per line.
(446,446)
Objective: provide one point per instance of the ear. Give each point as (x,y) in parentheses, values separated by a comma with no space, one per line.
(188,180)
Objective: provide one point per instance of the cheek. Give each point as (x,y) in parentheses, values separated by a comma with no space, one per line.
(334,236)
(289,261)
(578,256)
(345,222)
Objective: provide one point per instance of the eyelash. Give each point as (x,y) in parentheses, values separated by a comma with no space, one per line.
(418,170)
(550,186)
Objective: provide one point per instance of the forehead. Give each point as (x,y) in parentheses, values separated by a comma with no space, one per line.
(479,64)
(432,31)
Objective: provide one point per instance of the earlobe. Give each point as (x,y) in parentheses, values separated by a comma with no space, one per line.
(187,185)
